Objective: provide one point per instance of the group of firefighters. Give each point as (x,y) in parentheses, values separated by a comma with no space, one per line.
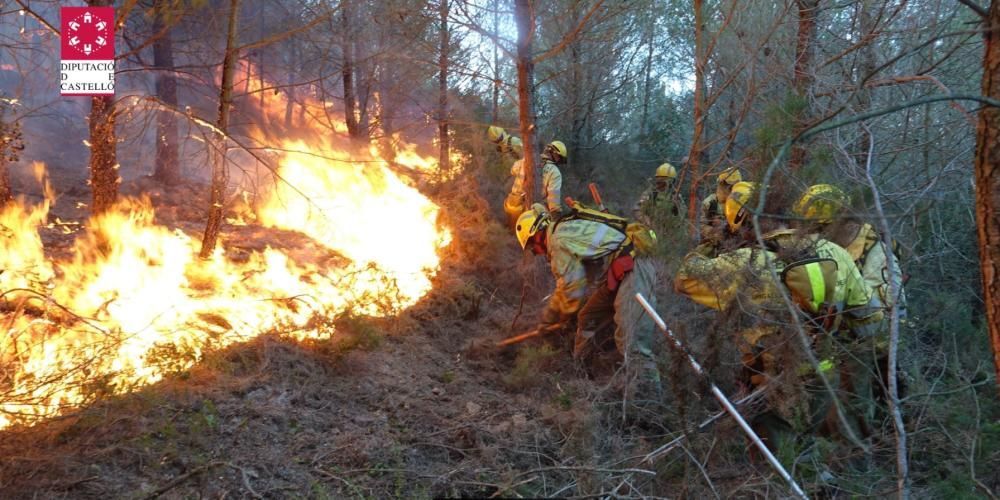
(840,277)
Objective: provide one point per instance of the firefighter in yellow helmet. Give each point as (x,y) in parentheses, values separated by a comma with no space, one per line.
(659,199)
(660,207)
(713,207)
(821,280)
(824,206)
(553,154)
(586,253)
(824,209)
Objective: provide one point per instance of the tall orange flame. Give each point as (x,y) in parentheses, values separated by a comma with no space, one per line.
(134,302)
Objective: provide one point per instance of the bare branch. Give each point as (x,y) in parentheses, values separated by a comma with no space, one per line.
(566,40)
(37,17)
(978,9)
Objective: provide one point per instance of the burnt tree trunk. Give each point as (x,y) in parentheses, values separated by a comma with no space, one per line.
(11,145)
(168,170)
(987,172)
(347,71)
(6,195)
(524,16)
(695,154)
(103,159)
(220,174)
(802,77)
(103,146)
(444,160)
(290,92)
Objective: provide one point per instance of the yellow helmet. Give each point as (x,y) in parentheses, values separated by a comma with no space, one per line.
(820,203)
(730,176)
(737,209)
(666,170)
(529,223)
(496,134)
(555,147)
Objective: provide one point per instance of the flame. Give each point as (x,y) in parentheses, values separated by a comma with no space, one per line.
(133,302)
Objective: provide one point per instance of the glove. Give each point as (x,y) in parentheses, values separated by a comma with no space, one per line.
(552,319)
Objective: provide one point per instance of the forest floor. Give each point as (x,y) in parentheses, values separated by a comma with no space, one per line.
(420,405)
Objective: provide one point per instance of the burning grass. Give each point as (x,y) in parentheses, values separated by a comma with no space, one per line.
(132,302)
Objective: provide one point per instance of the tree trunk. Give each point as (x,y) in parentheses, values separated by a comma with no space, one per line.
(103,159)
(647,79)
(347,70)
(444,160)
(577,116)
(290,91)
(10,148)
(802,78)
(6,195)
(220,174)
(524,16)
(987,171)
(103,146)
(168,169)
(869,58)
(362,90)
(496,62)
(694,155)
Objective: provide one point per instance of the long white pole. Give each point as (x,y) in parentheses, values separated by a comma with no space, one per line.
(723,400)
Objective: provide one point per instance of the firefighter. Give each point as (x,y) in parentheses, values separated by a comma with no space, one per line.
(553,155)
(660,208)
(820,278)
(586,253)
(713,223)
(865,372)
(824,205)
(658,199)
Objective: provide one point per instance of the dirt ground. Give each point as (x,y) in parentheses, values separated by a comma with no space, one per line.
(421,405)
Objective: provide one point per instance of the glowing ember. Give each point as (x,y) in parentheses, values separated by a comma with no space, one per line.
(134,302)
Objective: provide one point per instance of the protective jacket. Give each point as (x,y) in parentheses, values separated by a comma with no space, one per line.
(586,252)
(841,295)
(551,189)
(835,297)
(579,251)
(655,204)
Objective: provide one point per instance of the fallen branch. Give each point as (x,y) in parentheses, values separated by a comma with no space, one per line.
(246,480)
(662,450)
(723,400)
(181,478)
(584,469)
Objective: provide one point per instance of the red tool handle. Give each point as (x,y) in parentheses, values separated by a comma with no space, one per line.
(597,197)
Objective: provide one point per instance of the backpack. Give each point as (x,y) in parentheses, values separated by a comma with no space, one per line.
(639,235)
(864,241)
